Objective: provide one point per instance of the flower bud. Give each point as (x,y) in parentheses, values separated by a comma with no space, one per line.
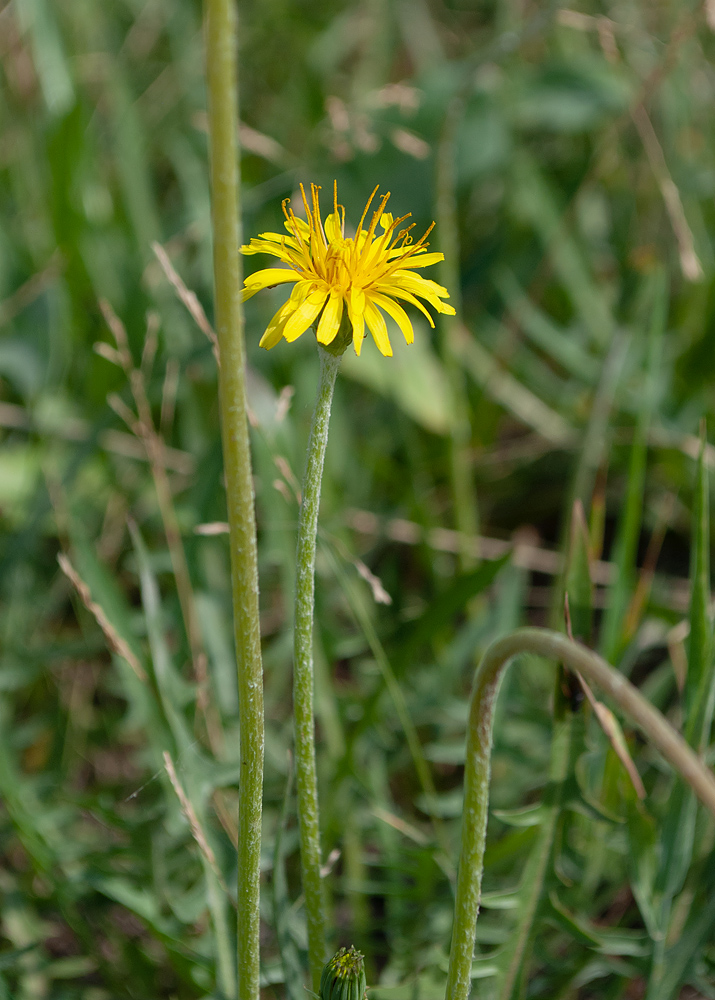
(343,977)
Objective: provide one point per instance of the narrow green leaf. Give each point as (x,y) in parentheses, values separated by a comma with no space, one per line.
(442,611)
(541,329)
(578,929)
(537,202)
(501,386)
(39,18)
(678,834)
(514,959)
(596,437)
(609,942)
(681,959)
(579,587)
(290,958)
(526,816)
(172,689)
(630,520)
(701,668)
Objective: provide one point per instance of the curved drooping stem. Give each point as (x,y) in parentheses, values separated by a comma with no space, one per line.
(303,683)
(555,646)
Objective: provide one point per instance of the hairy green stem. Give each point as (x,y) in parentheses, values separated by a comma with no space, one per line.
(303,682)
(649,720)
(221,48)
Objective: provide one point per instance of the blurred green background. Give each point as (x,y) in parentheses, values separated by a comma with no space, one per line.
(567,155)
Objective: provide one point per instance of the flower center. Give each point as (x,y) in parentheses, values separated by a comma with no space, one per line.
(338,260)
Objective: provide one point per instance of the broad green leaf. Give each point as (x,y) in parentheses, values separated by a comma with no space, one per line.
(413,377)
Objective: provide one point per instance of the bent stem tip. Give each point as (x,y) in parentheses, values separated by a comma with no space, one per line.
(554,646)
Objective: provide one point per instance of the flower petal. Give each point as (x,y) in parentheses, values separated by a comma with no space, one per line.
(265,246)
(274,331)
(378,328)
(305,314)
(401,293)
(414,283)
(398,314)
(430,287)
(333,227)
(423,259)
(302,227)
(356,312)
(278,238)
(267,278)
(332,314)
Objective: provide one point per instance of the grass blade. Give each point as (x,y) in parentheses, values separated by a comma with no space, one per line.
(292,967)
(698,694)
(513,963)
(678,833)
(629,526)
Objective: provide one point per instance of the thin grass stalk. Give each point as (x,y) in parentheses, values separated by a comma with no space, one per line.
(649,720)
(422,768)
(591,454)
(303,673)
(515,957)
(221,48)
(464,494)
(518,950)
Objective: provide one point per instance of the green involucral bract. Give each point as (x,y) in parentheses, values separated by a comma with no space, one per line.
(343,977)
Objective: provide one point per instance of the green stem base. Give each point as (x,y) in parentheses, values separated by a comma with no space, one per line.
(303,683)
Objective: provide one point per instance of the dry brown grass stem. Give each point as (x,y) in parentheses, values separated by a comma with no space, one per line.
(689,261)
(114,639)
(187,297)
(142,425)
(197,830)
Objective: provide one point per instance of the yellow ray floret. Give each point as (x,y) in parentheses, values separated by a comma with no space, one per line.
(360,276)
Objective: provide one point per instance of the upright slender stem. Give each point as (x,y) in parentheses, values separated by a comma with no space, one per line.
(303,684)
(649,720)
(221,47)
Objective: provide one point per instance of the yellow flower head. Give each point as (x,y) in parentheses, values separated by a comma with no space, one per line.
(365,273)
